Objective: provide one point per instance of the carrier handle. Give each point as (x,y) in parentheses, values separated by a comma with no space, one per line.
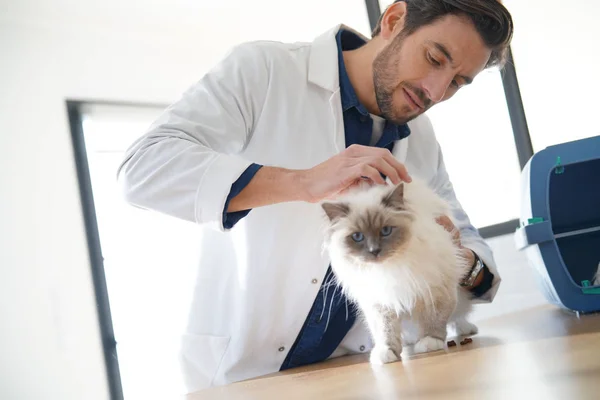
(536,232)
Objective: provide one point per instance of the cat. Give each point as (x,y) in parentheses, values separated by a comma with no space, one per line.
(400,267)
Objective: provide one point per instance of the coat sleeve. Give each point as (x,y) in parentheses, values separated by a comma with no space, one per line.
(428,149)
(469,235)
(185,164)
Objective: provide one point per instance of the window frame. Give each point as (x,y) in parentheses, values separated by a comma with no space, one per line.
(75,111)
(107,335)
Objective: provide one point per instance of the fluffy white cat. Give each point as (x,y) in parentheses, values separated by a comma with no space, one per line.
(399,266)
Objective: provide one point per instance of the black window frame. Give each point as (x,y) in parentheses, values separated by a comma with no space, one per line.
(107,335)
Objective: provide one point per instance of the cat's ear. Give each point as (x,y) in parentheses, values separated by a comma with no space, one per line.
(396,198)
(335,210)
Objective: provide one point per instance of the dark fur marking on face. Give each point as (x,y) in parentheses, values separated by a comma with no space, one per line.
(335,210)
(395,199)
(375,246)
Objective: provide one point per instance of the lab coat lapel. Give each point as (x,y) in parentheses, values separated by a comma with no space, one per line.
(339,136)
(323,62)
(323,71)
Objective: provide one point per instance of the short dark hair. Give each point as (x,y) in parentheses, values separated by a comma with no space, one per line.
(490,18)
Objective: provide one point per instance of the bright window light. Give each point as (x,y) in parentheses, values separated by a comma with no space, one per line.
(475,134)
(557,68)
(150,261)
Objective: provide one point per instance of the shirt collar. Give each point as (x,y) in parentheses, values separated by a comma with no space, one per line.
(347,40)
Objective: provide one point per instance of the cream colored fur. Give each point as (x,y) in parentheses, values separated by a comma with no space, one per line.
(417,287)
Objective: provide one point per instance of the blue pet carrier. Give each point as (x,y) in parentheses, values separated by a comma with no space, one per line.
(560,222)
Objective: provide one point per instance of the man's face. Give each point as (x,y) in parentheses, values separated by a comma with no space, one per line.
(412,73)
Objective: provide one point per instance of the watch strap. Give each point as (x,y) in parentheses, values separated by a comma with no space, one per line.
(470,277)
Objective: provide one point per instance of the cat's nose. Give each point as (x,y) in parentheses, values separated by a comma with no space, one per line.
(375,251)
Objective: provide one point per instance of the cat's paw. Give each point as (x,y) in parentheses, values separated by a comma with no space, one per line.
(465,328)
(427,344)
(383,355)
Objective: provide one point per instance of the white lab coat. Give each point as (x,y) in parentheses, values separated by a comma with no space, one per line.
(275,104)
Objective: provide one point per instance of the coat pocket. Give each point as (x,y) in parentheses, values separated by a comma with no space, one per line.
(201,357)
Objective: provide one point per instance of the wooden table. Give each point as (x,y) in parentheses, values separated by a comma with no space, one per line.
(538,353)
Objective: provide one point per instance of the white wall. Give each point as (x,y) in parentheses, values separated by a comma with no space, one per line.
(131,50)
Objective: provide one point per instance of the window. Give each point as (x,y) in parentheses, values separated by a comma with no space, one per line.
(557,68)
(476,137)
(149,260)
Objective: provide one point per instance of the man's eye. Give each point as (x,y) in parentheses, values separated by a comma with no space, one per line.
(433,60)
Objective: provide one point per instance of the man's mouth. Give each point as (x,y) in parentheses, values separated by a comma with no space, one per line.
(413,100)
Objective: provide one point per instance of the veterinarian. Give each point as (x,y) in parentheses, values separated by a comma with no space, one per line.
(272,129)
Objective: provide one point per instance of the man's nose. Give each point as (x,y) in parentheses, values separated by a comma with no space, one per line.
(436,86)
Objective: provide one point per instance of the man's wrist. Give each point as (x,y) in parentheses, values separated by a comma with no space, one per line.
(485,283)
(477,280)
(474,276)
(471,258)
(298,185)
(270,185)
(482,282)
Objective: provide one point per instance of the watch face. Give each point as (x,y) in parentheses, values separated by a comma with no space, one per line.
(470,278)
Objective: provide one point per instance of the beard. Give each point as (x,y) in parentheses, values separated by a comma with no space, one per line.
(386,68)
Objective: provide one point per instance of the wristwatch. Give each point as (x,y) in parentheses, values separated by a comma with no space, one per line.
(470,277)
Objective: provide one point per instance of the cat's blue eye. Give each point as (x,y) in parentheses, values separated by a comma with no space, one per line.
(386,231)
(358,237)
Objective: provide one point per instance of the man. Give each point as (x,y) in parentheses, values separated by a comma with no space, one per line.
(250,150)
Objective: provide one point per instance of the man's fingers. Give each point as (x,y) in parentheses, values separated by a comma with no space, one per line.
(456,237)
(449,226)
(445,222)
(398,166)
(367,171)
(358,151)
(386,169)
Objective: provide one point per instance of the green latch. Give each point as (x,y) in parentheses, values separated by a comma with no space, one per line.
(588,288)
(535,220)
(559,167)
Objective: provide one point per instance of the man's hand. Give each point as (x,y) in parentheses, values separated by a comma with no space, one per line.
(356,164)
(467,253)
(350,167)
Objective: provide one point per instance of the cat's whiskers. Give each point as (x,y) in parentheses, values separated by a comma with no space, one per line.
(330,306)
(346,301)
(330,283)
(326,284)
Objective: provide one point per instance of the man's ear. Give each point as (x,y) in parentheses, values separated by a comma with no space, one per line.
(335,211)
(392,21)
(396,198)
